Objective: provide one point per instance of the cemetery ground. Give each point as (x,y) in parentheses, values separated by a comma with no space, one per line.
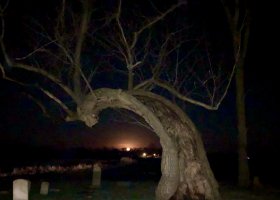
(137,190)
(120,181)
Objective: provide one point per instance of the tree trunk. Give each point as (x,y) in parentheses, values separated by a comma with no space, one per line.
(186,173)
(243,168)
(196,179)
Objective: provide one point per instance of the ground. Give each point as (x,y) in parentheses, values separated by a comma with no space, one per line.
(77,187)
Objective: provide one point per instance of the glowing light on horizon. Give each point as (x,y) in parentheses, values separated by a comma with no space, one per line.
(127,149)
(128,144)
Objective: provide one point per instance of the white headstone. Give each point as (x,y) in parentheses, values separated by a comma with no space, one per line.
(96,178)
(21,189)
(44,188)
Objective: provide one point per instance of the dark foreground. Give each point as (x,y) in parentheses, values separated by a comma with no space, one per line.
(117,184)
(121,190)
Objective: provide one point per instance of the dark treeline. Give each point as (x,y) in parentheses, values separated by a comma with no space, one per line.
(224,165)
(18,155)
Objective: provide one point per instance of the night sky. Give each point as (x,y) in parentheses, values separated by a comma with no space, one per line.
(23,123)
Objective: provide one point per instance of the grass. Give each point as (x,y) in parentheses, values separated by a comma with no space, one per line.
(80,190)
(114,190)
(76,186)
(235,193)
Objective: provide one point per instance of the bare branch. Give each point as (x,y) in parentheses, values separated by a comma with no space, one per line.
(35,51)
(78,49)
(127,49)
(4,76)
(39,103)
(51,96)
(152,22)
(58,101)
(3,8)
(143,84)
(86,81)
(3,49)
(128,56)
(49,76)
(57,40)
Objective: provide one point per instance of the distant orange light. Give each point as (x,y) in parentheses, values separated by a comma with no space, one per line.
(128,149)
(144,155)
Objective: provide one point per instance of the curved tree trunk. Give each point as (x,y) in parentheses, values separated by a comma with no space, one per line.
(196,178)
(185,170)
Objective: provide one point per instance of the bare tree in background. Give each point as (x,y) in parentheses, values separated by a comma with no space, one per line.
(134,57)
(239,23)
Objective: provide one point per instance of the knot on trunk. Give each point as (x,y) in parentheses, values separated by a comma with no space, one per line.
(86,112)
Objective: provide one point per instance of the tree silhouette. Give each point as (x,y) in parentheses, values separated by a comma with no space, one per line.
(238,15)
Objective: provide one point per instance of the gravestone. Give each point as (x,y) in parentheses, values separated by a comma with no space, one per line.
(96,177)
(44,188)
(21,188)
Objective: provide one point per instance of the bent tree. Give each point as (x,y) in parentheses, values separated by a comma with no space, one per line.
(144,57)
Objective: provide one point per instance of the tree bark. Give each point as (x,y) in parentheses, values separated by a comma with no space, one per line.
(186,173)
(196,180)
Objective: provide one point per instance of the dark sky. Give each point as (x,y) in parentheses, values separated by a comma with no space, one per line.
(22,121)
